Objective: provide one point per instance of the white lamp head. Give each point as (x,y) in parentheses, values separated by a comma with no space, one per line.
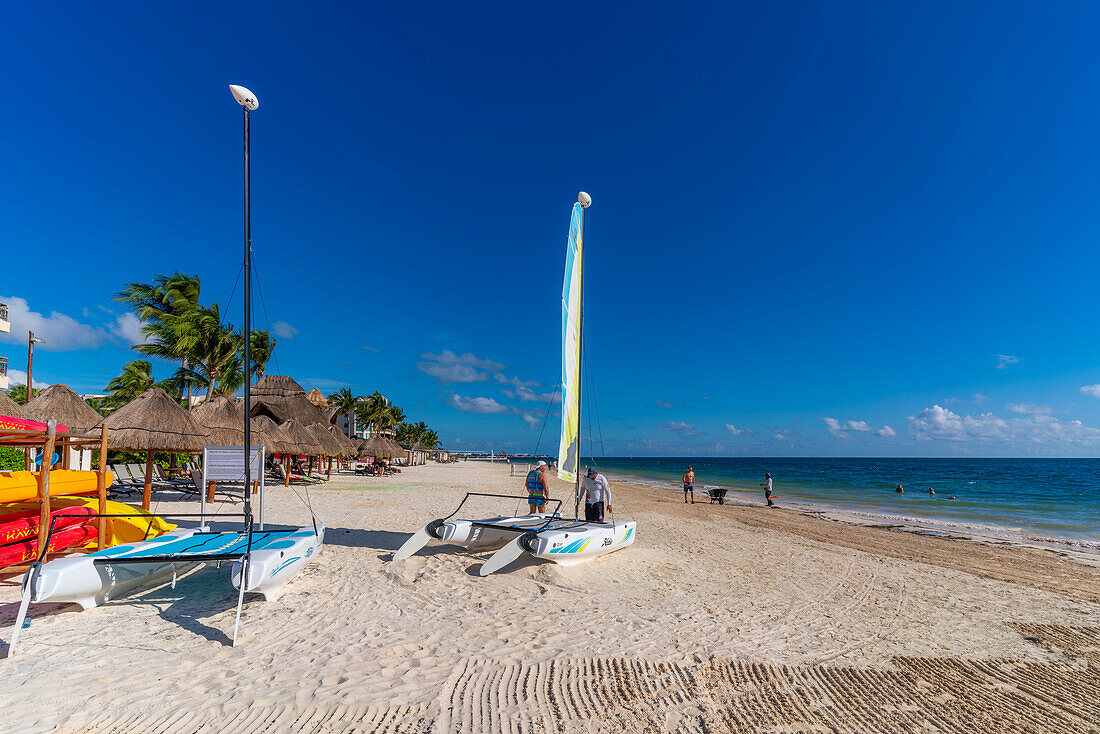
(244,97)
(584,199)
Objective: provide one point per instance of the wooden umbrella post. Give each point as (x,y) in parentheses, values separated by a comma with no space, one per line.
(44,488)
(146,496)
(101,486)
(286,470)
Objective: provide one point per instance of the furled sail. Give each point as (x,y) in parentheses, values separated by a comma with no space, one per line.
(569,448)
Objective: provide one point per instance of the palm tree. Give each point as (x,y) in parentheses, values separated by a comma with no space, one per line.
(164,308)
(262,345)
(345,402)
(213,348)
(136,377)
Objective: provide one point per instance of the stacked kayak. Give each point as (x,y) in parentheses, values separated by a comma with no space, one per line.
(74,526)
(20,486)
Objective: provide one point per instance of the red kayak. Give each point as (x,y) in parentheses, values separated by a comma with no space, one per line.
(73,536)
(16,526)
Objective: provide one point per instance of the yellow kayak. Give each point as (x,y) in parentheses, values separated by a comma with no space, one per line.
(20,486)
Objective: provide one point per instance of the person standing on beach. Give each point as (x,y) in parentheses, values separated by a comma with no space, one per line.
(689,485)
(767,485)
(597,495)
(538,490)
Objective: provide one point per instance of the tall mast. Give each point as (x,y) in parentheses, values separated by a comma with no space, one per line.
(248,101)
(585,202)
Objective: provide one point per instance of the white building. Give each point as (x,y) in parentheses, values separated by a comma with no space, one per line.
(5,327)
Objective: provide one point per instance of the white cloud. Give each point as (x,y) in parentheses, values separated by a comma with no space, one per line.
(979,398)
(283,330)
(476,405)
(940,424)
(1004,360)
(514,381)
(684,429)
(739,431)
(1029,409)
(532,420)
(127,327)
(781,435)
(663,404)
(844,430)
(448,368)
(19,377)
(1093,390)
(370,348)
(62,333)
(528,395)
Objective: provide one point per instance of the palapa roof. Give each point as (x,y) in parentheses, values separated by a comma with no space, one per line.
(379,448)
(223,418)
(316,397)
(285,399)
(419,447)
(273,439)
(398,449)
(10,408)
(329,445)
(330,411)
(154,421)
(58,402)
(350,447)
(300,438)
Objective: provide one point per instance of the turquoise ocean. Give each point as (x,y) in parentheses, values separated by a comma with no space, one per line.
(1056,499)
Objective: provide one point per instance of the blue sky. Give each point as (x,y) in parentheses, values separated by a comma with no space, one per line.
(845,229)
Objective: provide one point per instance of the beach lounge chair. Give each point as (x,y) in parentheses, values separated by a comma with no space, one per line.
(159,474)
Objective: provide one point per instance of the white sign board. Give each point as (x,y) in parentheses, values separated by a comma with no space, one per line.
(226,463)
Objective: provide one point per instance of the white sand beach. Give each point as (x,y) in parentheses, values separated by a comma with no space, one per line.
(718,619)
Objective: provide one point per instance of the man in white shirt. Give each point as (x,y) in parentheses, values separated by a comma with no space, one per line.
(597,495)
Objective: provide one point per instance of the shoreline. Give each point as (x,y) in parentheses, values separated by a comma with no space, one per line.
(1081,549)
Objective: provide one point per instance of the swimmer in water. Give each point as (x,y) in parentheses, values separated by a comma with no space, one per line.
(931,491)
(900,489)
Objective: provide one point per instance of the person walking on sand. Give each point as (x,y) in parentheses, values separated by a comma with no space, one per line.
(538,490)
(597,495)
(689,485)
(767,485)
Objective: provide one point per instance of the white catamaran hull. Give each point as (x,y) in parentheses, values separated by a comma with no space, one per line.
(79,580)
(475,535)
(272,567)
(582,542)
(567,543)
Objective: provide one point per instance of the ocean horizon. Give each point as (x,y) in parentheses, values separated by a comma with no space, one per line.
(1055,500)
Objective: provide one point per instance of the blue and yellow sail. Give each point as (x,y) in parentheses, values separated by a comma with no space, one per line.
(568,447)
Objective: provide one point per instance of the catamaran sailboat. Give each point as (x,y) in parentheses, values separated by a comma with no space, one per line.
(567,542)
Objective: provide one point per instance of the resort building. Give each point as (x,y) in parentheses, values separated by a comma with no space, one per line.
(5,327)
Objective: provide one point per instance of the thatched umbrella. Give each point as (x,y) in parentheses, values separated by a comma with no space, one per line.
(329,445)
(379,448)
(273,439)
(300,438)
(151,422)
(316,397)
(286,399)
(11,408)
(349,446)
(223,417)
(58,402)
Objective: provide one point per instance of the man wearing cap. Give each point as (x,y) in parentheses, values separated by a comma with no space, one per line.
(597,495)
(538,491)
